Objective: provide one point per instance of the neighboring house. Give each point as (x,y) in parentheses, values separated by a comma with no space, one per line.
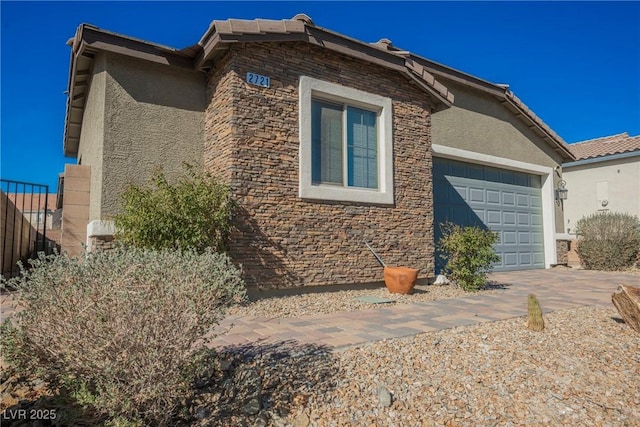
(39,209)
(605,177)
(325,141)
(29,223)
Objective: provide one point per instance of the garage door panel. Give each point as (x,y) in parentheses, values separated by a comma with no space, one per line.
(475,172)
(508,198)
(493,197)
(476,195)
(492,175)
(522,200)
(523,219)
(459,191)
(522,179)
(538,258)
(509,259)
(536,238)
(536,201)
(524,238)
(536,220)
(493,217)
(509,238)
(506,202)
(508,218)
(525,259)
(480,213)
(457,169)
(507,177)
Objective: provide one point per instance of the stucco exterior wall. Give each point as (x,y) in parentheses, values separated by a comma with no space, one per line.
(154,116)
(90,149)
(480,123)
(282,240)
(616,181)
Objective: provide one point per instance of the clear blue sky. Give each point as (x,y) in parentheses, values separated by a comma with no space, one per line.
(575,64)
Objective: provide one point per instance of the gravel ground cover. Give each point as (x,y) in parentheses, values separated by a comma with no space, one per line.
(582,370)
(345,300)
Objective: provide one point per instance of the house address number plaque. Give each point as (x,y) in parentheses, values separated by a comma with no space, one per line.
(258,80)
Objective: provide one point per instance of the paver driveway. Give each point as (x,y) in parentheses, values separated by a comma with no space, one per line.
(556,289)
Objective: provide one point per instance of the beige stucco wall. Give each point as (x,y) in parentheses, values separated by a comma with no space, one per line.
(138,116)
(154,116)
(92,137)
(480,123)
(617,181)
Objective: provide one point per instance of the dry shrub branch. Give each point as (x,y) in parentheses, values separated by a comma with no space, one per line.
(124,326)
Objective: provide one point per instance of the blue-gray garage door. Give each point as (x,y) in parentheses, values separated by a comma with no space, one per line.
(503,201)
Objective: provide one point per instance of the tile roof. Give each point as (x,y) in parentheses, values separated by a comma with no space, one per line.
(302,28)
(604,146)
(502,92)
(222,34)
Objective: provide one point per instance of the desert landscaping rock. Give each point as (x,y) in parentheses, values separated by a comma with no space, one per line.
(575,372)
(344,300)
(626,299)
(384,396)
(583,369)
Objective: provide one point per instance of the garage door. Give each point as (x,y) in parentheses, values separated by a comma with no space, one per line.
(503,201)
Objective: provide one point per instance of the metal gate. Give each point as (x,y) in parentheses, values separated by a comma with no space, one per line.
(25,218)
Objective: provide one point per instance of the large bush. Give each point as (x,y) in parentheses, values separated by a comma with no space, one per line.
(123,327)
(608,241)
(193,213)
(469,254)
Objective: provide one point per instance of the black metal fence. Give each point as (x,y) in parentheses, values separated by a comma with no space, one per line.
(25,219)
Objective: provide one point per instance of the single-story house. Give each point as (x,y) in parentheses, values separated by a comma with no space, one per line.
(326,142)
(605,177)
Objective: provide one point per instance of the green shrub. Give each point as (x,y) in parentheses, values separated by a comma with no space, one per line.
(120,329)
(469,254)
(608,241)
(194,213)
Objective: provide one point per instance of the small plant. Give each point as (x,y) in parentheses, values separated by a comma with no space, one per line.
(194,213)
(120,330)
(535,320)
(469,254)
(608,241)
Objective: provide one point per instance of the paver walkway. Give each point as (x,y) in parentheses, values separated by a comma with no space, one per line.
(556,289)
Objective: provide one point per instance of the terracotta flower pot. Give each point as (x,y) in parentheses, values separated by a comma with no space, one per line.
(400,280)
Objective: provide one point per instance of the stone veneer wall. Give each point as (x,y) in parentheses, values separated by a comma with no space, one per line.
(103,243)
(562,249)
(251,141)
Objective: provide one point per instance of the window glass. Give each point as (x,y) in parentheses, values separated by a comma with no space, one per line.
(326,143)
(362,146)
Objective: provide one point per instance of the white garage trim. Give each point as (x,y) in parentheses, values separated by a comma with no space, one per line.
(546,191)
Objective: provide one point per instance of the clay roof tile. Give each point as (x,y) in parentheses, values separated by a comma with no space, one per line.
(604,146)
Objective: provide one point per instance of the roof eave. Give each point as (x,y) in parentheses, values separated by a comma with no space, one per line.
(506,96)
(600,159)
(221,35)
(87,41)
(537,125)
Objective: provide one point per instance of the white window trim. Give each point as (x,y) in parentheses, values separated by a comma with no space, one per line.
(546,191)
(309,88)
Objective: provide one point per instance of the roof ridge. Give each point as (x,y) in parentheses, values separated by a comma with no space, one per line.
(617,135)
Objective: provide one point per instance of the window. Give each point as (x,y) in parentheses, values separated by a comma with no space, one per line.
(345,144)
